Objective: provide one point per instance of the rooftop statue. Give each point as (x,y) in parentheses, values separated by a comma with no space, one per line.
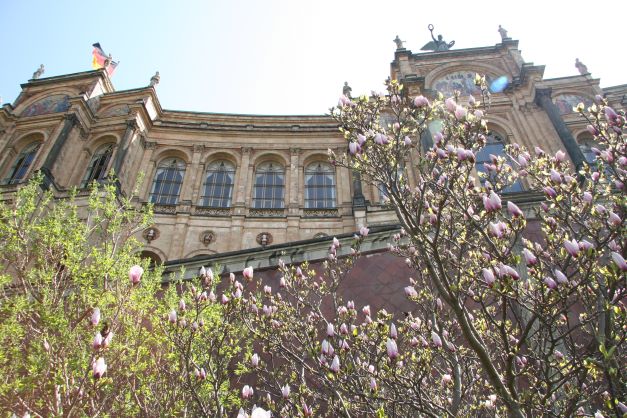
(437,44)
(399,43)
(346,90)
(503,33)
(583,68)
(154,80)
(39,72)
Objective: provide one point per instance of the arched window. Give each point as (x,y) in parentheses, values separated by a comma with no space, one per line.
(494,146)
(22,164)
(269,190)
(586,143)
(97,169)
(319,186)
(166,185)
(217,190)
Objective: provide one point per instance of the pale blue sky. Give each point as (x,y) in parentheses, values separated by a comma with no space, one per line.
(289,57)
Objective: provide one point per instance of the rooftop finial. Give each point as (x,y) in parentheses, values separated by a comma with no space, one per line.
(399,43)
(503,33)
(583,69)
(438,44)
(346,90)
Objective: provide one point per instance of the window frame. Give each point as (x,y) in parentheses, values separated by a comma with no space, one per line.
(99,173)
(171,184)
(224,196)
(261,199)
(29,152)
(325,194)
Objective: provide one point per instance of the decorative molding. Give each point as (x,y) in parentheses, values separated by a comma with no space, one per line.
(199,147)
(167,209)
(266,213)
(150,234)
(150,144)
(211,211)
(321,235)
(207,237)
(321,213)
(264,238)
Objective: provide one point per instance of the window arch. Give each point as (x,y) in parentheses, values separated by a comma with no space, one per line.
(98,165)
(494,146)
(269,189)
(217,190)
(22,163)
(167,182)
(320,186)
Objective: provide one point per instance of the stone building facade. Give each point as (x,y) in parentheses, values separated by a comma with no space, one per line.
(239,188)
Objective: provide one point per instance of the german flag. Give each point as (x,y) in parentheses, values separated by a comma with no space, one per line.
(101,60)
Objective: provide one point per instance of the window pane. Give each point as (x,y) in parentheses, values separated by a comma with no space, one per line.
(320,186)
(167,182)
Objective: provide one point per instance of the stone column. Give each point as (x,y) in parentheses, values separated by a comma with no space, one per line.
(70,121)
(292,188)
(543,99)
(146,169)
(131,126)
(359,201)
(189,192)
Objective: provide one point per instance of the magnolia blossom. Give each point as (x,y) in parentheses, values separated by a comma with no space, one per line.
(550,283)
(247,392)
(285,391)
(95,317)
(492,202)
(182,305)
(561,277)
(392,349)
(97,342)
(560,156)
(446,379)
(488,276)
(135,274)
(99,368)
(550,192)
(421,101)
(572,247)
(514,210)
(335,364)
(248,272)
(254,360)
(410,292)
(619,260)
(436,340)
(451,105)
(366,310)
(373,383)
(330,330)
(460,112)
(530,258)
(267,290)
(393,332)
(172,316)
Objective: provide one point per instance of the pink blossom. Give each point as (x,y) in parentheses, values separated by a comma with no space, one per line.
(95,316)
(550,283)
(267,290)
(497,229)
(492,202)
(380,139)
(600,208)
(285,391)
(587,197)
(330,330)
(436,340)
(619,261)
(247,392)
(410,292)
(353,148)
(393,332)
(97,341)
(614,219)
(407,141)
(572,247)
(344,329)
(560,156)
(335,364)
(514,210)
(392,349)
(225,299)
(254,360)
(366,310)
(343,101)
(361,139)
(585,245)
(182,305)
(561,277)
(505,270)
(307,410)
(488,276)
(478,114)
(373,383)
(99,368)
(460,113)
(550,192)
(212,296)
(421,101)
(438,137)
(438,303)
(530,258)
(107,340)
(172,316)
(446,379)
(363,231)
(539,151)
(451,105)
(299,272)
(248,272)
(556,177)
(135,274)
(471,100)
(593,130)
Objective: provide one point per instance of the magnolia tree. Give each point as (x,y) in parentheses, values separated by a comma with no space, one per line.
(518,313)
(75,309)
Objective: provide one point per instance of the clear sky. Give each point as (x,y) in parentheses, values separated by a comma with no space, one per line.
(292,56)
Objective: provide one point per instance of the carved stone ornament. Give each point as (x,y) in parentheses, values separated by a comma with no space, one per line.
(321,213)
(207,237)
(150,234)
(264,238)
(321,235)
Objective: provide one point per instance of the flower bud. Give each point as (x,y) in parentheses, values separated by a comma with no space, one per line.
(95,317)
(135,274)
